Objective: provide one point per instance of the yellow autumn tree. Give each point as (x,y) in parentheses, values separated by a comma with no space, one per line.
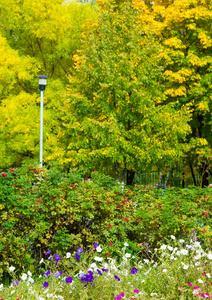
(183,27)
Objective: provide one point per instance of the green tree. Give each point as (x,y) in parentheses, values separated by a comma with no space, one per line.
(115,119)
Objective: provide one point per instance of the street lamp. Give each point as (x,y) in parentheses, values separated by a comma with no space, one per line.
(42,85)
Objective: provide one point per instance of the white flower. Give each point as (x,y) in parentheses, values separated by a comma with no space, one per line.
(184,251)
(146,261)
(24,276)
(200,280)
(128,255)
(163,247)
(98,249)
(208,275)
(197,244)
(11,269)
(209,256)
(41,261)
(173,237)
(164,270)
(126,245)
(172,257)
(1,286)
(197,257)
(99,259)
(170,248)
(93,265)
(197,264)
(29,273)
(12,292)
(68,255)
(30,279)
(185,267)
(181,241)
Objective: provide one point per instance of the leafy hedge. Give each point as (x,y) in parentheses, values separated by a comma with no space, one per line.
(48,209)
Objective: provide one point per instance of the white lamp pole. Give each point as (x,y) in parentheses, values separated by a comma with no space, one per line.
(42,85)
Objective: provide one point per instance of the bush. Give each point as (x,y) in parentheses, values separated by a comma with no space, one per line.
(42,209)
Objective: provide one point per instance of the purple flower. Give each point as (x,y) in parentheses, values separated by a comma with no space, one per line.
(46,273)
(104,270)
(49,257)
(45,284)
(57,274)
(15,282)
(69,279)
(48,252)
(134,271)
(95,245)
(100,273)
(79,251)
(57,257)
(116,277)
(77,256)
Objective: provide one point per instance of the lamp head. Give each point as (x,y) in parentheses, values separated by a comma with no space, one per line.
(42,82)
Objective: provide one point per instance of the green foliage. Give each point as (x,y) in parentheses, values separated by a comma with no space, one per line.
(115,121)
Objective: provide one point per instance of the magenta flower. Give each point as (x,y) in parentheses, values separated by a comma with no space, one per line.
(136,291)
(119,297)
(4,175)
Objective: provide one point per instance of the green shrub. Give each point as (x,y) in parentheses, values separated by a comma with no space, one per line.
(42,209)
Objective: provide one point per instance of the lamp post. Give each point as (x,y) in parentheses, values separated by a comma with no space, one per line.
(42,85)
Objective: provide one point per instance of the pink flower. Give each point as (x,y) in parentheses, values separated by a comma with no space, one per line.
(94,170)
(190,284)
(136,291)
(4,175)
(207,295)
(181,289)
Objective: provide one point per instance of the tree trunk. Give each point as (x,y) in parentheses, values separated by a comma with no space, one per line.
(192,173)
(130,177)
(204,175)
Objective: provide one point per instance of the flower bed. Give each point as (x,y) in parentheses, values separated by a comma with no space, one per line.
(176,270)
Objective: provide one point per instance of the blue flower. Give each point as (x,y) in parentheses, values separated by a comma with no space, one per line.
(100,273)
(79,251)
(57,274)
(77,256)
(69,279)
(15,282)
(116,277)
(134,271)
(45,284)
(95,245)
(104,270)
(87,278)
(57,257)
(46,273)
(48,252)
